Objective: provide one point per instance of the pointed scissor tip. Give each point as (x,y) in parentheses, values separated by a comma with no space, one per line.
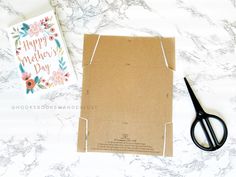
(185,78)
(193,97)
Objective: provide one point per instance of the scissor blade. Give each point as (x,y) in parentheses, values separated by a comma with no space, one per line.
(196,103)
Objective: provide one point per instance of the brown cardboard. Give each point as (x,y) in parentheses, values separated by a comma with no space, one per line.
(126,102)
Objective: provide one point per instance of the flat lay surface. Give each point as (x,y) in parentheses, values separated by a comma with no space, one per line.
(38,135)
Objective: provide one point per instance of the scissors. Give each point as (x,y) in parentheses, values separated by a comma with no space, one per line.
(203,118)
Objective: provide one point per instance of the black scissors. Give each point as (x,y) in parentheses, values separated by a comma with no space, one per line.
(203,118)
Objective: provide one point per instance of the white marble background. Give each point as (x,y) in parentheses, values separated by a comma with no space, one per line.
(42,142)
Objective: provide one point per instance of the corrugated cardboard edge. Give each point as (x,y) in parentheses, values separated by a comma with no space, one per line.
(168,49)
(83,134)
(168,138)
(83,128)
(82,146)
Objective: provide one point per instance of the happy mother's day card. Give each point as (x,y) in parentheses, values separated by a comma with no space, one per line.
(42,57)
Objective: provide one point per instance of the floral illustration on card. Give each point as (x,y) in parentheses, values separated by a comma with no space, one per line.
(39,50)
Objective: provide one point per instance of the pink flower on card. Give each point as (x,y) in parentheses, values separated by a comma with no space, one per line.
(45,25)
(58,77)
(25,76)
(67,75)
(43,80)
(35,29)
(41,21)
(52,30)
(51,38)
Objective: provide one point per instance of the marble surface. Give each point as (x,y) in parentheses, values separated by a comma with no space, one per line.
(38,136)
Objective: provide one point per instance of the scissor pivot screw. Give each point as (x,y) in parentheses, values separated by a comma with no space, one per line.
(200,113)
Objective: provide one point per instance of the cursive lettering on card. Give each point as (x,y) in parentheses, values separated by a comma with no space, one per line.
(39,68)
(34,44)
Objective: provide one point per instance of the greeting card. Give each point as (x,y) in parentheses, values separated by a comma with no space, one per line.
(43,60)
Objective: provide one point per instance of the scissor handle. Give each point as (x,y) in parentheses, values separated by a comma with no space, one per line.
(216,144)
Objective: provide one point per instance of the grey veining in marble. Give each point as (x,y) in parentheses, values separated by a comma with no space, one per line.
(40,141)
